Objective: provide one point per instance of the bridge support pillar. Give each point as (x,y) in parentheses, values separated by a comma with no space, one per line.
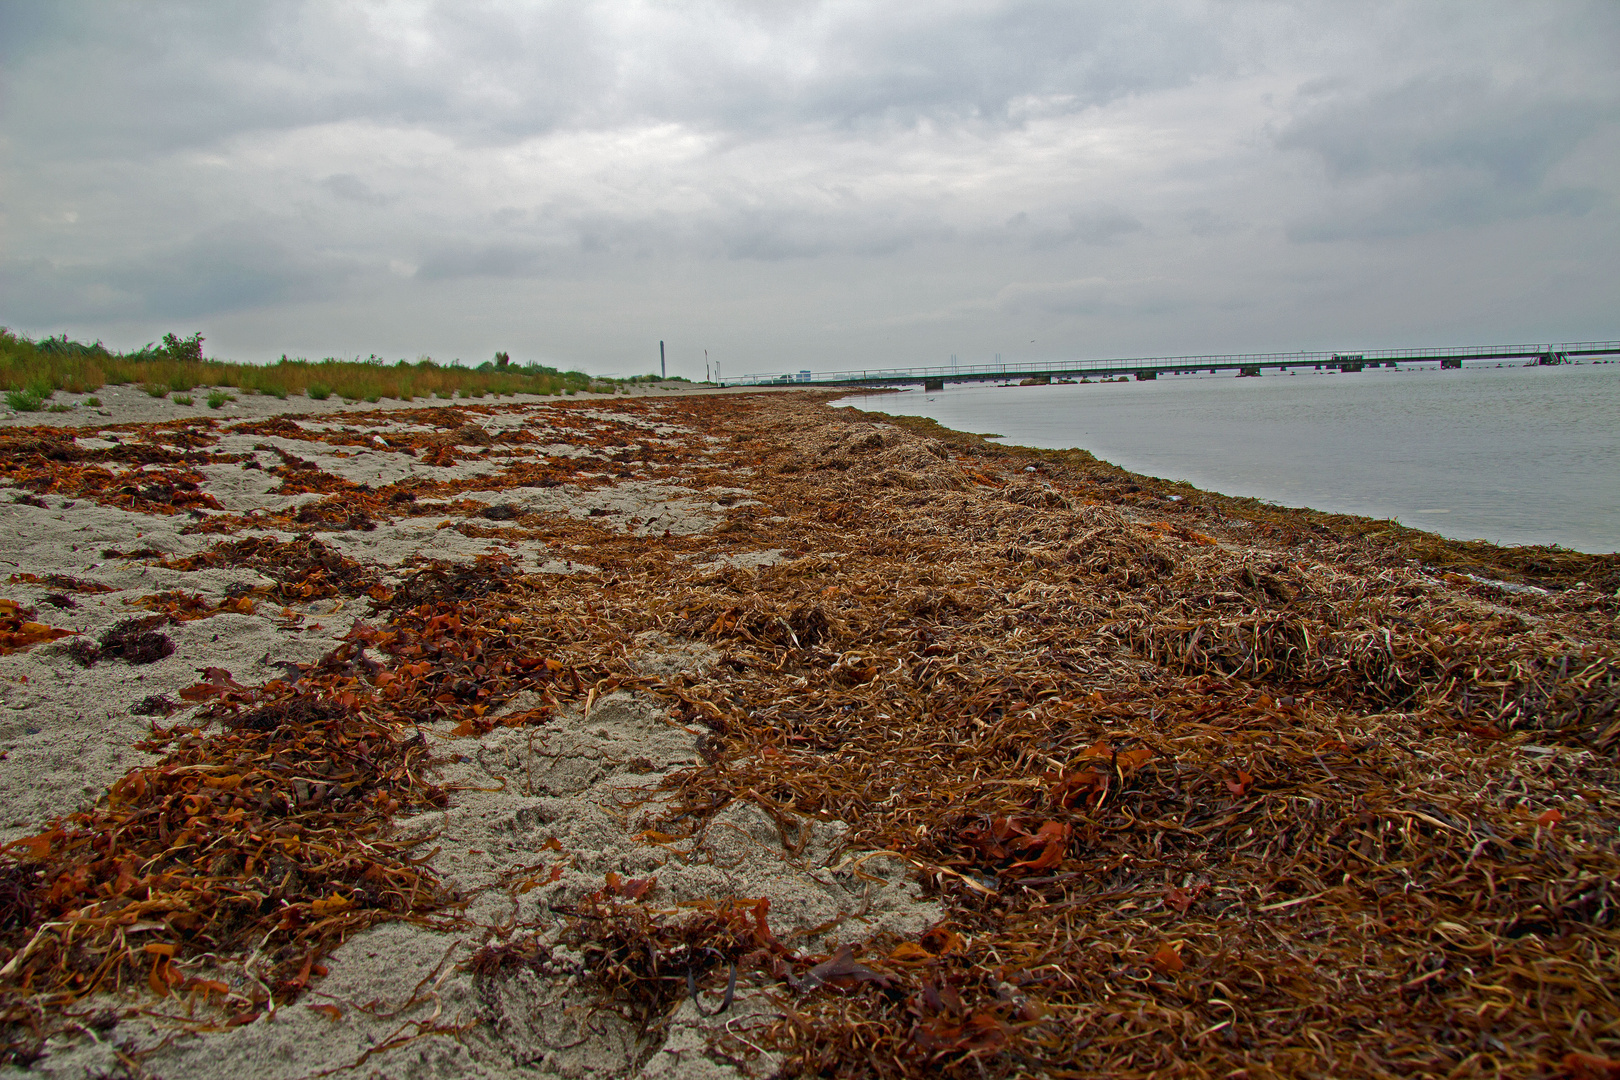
(1451,363)
(1146,376)
(933,384)
(1249,372)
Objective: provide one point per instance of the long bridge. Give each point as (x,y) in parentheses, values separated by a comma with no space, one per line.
(1151,367)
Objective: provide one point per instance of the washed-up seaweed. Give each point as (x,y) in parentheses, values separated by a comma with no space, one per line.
(262,841)
(304,569)
(65,582)
(136,640)
(145,476)
(1195,809)
(226,871)
(1206,788)
(19,630)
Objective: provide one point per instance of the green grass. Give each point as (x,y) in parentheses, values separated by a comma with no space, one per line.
(218,398)
(183,399)
(177,366)
(23,401)
(318,391)
(93,402)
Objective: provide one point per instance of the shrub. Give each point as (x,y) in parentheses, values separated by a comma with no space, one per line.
(217,399)
(373,398)
(182,399)
(184,350)
(319,391)
(155,389)
(23,400)
(93,402)
(59,407)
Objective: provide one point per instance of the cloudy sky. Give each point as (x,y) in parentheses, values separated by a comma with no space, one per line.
(803,184)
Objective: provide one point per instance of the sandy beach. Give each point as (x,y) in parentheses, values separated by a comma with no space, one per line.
(495,738)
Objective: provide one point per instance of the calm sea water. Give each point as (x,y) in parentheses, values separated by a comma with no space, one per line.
(1514,455)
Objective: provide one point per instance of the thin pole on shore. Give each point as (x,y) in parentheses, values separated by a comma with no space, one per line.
(663,372)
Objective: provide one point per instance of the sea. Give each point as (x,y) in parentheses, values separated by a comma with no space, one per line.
(1513,454)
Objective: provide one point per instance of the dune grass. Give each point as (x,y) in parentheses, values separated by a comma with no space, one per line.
(31,371)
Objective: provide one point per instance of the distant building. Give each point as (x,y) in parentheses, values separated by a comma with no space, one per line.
(804,376)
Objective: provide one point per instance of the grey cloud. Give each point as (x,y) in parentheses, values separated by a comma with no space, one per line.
(220,271)
(1506,133)
(733,232)
(780,233)
(1436,201)
(912,63)
(801,175)
(1102,225)
(1063,297)
(1203,221)
(1438,152)
(500,72)
(1083,296)
(353,189)
(474,259)
(230,269)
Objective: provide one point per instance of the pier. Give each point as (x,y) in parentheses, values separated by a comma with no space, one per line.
(1145,368)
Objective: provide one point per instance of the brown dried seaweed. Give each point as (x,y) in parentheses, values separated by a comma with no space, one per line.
(304,569)
(19,631)
(261,840)
(1195,810)
(1209,789)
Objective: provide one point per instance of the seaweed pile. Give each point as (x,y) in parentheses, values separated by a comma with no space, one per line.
(1198,806)
(1207,790)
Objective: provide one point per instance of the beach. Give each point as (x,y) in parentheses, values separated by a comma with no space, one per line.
(685,734)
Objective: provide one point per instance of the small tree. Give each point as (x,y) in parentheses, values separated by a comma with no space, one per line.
(184,349)
(501,360)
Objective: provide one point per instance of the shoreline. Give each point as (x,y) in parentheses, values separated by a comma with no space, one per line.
(612,689)
(1391,446)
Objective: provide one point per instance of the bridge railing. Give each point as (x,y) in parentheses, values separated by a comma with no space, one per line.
(1168,363)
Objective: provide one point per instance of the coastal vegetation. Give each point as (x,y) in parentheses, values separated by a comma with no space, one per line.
(31,372)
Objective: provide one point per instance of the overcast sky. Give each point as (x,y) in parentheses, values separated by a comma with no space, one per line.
(821,185)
